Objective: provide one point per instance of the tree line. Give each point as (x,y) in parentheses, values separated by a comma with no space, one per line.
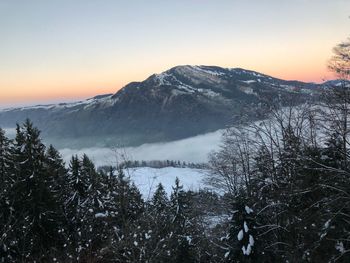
(50,213)
(159,164)
(289,178)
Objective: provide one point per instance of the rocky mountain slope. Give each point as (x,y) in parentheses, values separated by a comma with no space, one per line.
(178,103)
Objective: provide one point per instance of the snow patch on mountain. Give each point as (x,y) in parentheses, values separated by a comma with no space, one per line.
(105,101)
(168,79)
(162,78)
(197,74)
(102,102)
(207,71)
(248,90)
(248,81)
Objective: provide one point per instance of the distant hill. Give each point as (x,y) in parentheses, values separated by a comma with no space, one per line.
(181,102)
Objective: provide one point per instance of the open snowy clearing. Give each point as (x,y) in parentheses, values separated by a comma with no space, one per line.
(147,179)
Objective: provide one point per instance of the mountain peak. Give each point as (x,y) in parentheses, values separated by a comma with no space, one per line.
(180,102)
(202,73)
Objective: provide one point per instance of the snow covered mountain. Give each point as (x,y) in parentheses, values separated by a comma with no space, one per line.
(181,102)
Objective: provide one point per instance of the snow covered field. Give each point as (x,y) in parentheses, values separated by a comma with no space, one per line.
(147,179)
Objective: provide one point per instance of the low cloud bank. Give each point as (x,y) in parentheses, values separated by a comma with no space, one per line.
(194,149)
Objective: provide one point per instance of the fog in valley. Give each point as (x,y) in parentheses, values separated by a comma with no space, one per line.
(194,149)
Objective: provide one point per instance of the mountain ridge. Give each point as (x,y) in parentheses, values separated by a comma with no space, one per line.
(101,96)
(180,102)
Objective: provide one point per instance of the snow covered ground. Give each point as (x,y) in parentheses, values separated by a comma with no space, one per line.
(147,179)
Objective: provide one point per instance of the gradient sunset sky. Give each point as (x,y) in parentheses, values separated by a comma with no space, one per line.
(63,50)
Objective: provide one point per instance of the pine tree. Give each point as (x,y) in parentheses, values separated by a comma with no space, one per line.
(182,227)
(6,213)
(34,202)
(5,158)
(242,233)
(74,208)
(85,209)
(94,228)
(56,174)
(158,236)
(160,203)
(55,165)
(125,218)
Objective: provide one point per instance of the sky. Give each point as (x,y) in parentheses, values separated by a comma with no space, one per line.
(64,50)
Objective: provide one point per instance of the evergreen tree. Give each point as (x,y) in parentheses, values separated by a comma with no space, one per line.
(56,173)
(5,159)
(182,226)
(34,203)
(160,225)
(77,186)
(242,236)
(94,230)
(125,207)
(6,214)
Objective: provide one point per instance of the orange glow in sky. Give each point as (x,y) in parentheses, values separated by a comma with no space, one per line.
(67,50)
